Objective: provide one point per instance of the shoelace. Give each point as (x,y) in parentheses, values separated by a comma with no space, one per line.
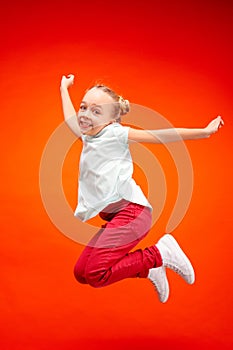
(153,281)
(176,269)
(161,294)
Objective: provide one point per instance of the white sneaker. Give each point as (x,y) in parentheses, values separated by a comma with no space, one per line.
(158,277)
(174,258)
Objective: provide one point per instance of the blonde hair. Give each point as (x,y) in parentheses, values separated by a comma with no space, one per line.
(121,108)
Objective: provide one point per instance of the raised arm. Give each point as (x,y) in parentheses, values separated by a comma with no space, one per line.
(175,134)
(67,105)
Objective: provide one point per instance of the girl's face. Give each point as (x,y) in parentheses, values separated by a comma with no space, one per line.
(95,112)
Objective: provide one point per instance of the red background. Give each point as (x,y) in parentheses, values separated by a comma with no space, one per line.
(172,56)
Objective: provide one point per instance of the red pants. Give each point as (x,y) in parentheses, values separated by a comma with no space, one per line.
(106,259)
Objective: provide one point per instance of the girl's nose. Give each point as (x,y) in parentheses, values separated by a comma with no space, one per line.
(84,114)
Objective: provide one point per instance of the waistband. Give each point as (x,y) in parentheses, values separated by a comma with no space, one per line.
(112,209)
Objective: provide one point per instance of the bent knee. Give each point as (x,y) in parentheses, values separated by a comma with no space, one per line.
(91,274)
(96,278)
(79,273)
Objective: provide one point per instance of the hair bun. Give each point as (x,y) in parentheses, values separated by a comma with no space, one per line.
(124,106)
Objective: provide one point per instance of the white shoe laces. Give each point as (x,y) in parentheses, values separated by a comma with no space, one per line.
(175,269)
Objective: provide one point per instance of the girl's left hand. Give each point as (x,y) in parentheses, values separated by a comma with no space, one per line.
(214,126)
(67,81)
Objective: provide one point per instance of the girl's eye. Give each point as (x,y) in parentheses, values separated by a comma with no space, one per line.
(82,108)
(96,111)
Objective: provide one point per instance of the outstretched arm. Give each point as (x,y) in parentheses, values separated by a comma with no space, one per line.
(67,105)
(175,134)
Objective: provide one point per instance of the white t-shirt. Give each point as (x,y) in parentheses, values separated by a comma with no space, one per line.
(106,170)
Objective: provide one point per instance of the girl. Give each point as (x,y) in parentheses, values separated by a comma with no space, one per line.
(106,187)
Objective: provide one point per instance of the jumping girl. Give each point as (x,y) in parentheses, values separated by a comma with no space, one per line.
(106,187)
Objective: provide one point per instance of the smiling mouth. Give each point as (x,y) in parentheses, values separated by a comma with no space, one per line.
(84,125)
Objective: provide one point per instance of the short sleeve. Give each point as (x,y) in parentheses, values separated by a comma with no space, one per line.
(121,132)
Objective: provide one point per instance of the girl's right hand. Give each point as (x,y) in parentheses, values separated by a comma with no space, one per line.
(67,81)
(214,126)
